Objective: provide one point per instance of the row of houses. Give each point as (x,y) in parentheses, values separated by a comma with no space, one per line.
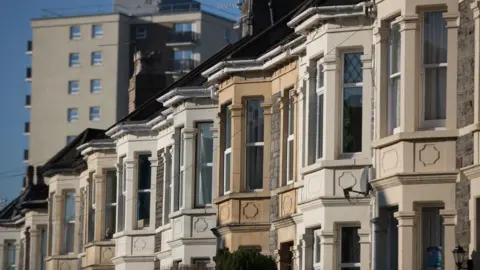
(343,136)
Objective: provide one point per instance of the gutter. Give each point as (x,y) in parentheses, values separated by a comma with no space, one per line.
(164,123)
(309,12)
(125,128)
(96,143)
(323,17)
(223,64)
(280,49)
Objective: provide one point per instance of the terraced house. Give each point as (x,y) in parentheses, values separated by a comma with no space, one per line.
(336,134)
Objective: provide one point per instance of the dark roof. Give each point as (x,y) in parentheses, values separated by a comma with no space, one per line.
(33,197)
(246,48)
(69,158)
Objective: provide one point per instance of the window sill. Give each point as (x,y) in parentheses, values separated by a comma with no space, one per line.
(192,212)
(141,232)
(242,195)
(163,228)
(336,163)
(422,134)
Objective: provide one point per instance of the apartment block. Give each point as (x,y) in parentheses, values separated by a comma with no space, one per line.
(91,65)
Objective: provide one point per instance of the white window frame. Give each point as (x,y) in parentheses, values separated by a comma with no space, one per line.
(71,61)
(72,89)
(343,86)
(320,90)
(391,77)
(64,240)
(10,244)
(97,34)
(94,116)
(251,144)
(141,32)
(202,164)
(93,89)
(95,60)
(347,265)
(182,167)
(92,206)
(122,192)
(437,124)
(290,137)
(71,114)
(184,28)
(316,249)
(51,221)
(112,205)
(74,35)
(227,153)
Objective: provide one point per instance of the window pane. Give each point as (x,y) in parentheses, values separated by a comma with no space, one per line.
(110,198)
(95,86)
(121,196)
(91,224)
(143,208)
(74,59)
(352,68)
(72,114)
(394,48)
(352,120)
(43,249)
(73,87)
(227,162)
(144,172)
(11,254)
(69,222)
(434,38)
(320,126)
(228,127)
(350,245)
(75,32)
(180,190)
(111,191)
(290,116)
(204,160)
(320,76)
(435,93)
(290,160)
(254,168)
(97,31)
(394,104)
(168,189)
(97,58)
(94,113)
(254,121)
(69,237)
(110,217)
(69,207)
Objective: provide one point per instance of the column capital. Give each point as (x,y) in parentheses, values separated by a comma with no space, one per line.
(153,161)
(310,72)
(452,19)
(409,22)
(330,62)
(448,216)
(405,219)
(381,34)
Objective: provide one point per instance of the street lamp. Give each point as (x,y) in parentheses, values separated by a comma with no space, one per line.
(459,257)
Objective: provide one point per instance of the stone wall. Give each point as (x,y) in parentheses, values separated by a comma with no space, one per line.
(274,167)
(465,91)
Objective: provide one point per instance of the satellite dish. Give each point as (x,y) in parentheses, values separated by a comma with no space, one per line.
(365,180)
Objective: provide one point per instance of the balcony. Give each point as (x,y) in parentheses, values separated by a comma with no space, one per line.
(182,39)
(26,129)
(181,66)
(28,102)
(29,47)
(179,7)
(28,76)
(25,156)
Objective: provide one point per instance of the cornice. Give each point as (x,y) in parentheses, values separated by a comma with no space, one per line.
(414,179)
(123,129)
(163,254)
(472,172)
(132,259)
(192,242)
(283,222)
(242,228)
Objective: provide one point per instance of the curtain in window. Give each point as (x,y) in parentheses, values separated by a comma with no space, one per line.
(435,60)
(432,231)
(204,164)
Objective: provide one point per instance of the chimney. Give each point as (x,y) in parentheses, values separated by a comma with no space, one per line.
(257,15)
(147,79)
(29,176)
(40,180)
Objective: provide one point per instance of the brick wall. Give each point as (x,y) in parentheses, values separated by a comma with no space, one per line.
(465,89)
(274,167)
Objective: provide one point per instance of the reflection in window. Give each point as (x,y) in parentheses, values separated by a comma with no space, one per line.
(350,248)
(352,102)
(69,222)
(110,203)
(203,186)
(394,78)
(227,147)
(254,144)
(290,136)
(144,178)
(320,95)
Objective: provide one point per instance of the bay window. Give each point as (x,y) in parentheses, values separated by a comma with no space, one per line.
(349,248)
(110,203)
(144,178)
(227,148)
(254,144)
(203,185)
(91,211)
(122,194)
(290,137)
(352,102)
(11,256)
(394,73)
(168,186)
(180,168)
(320,96)
(434,69)
(69,222)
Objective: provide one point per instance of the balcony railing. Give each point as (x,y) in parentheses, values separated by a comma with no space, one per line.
(183,65)
(179,7)
(27,127)
(28,76)
(28,101)
(25,154)
(183,37)
(29,46)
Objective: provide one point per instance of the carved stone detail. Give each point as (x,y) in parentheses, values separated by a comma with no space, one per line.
(107,253)
(139,244)
(64,266)
(429,154)
(287,204)
(200,225)
(224,212)
(346,180)
(389,160)
(250,210)
(178,227)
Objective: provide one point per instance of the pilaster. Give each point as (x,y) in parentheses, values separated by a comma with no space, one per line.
(331,126)
(381,74)
(452,20)
(57,217)
(34,248)
(236,180)
(328,252)
(189,135)
(153,188)
(130,201)
(406,248)
(449,216)
(97,180)
(215,133)
(475,6)
(267,124)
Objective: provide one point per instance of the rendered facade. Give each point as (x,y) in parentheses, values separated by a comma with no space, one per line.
(342,136)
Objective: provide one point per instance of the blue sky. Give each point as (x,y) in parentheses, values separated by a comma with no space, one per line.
(14,32)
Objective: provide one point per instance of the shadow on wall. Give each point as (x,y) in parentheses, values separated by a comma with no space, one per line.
(476,260)
(188,267)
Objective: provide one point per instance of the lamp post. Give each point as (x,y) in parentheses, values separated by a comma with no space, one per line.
(459,257)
